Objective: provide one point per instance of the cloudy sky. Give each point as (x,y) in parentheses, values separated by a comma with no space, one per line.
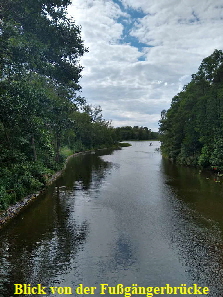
(142,52)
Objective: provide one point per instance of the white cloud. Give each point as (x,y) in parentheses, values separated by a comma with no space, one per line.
(130,91)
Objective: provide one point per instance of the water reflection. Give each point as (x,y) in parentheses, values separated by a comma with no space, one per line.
(85,170)
(195,228)
(43,241)
(123,252)
(37,255)
(127,217)
(198,189)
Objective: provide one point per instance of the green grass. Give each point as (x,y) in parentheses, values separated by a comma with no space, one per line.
(124,144)
(66,152)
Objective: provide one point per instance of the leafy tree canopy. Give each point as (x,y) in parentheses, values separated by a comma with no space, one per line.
(40,114)
(192,128)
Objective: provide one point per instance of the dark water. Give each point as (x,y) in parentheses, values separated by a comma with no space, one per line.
(125,217)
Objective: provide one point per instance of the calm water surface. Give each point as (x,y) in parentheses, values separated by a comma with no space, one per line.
(119,217)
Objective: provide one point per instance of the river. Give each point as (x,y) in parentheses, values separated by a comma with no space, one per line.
(118,217)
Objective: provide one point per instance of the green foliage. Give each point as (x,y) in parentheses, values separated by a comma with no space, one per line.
(135,133)
(38,36)
(42,120)
(204,158)
(66,152)
(124,144)
(216,158)
(21,179)
(191,129)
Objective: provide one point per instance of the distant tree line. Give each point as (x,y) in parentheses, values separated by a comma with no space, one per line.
(192,128)
(135,133)
(41,117)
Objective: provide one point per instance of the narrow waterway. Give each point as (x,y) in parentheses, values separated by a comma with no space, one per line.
(119,217)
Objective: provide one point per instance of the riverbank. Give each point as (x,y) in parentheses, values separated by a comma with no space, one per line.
(121,216)
(13,210)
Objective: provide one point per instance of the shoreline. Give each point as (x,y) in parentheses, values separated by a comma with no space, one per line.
(13,210)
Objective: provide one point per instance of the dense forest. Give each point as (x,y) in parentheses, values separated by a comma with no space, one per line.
(42,120)
(135,133)
(192,128)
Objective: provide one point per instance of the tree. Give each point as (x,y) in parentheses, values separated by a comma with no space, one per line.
(191,128)
(39,73)
(37,36)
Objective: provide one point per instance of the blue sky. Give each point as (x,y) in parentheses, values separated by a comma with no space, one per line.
(128,24)
(142,53)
